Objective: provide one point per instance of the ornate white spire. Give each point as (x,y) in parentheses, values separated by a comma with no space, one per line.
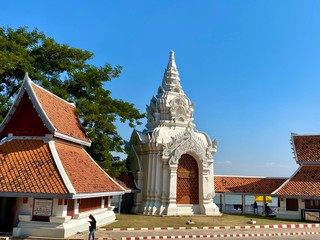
(171,80)
(171,62)
(170,107)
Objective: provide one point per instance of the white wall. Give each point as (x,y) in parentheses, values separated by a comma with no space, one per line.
(60,225)
(283,213)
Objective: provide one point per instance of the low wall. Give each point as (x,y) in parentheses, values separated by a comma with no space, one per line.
(65,229)
(248,209)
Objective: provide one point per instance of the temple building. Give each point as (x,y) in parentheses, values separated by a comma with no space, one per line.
(171,161)
(300,195)
(49,184)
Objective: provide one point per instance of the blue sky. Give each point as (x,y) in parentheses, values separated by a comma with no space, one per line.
(250,67)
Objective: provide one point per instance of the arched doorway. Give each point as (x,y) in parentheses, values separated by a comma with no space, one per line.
(187,180)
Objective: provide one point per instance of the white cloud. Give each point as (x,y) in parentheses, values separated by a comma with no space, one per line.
(223,163)
(276,165)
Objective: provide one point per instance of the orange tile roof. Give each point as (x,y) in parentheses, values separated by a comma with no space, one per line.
(247,185)
(60,113)
(27,166)
(307,148)
(304,183)
(83,172)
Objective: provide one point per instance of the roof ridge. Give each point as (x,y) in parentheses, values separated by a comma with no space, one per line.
(56,158)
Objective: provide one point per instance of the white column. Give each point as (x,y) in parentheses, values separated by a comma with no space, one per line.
(147,184)
(75,206)
(119,204)
(165,192)
(172,207)
(158,186)
(206,190)
(152,182)
(223,202)
(102,202)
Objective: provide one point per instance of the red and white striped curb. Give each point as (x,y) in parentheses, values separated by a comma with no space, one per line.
(313,225)
(279,226)
(221,235)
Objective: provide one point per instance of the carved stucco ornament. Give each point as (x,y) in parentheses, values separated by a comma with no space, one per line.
(183,143)
(210,195)
(212,149)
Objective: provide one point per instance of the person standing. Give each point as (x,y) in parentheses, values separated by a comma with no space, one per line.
(92,227)
(255,207)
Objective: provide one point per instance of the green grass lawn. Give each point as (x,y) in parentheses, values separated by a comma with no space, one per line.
(138,221)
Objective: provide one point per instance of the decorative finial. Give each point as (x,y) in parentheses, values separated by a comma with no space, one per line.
(26,77)
(171,60)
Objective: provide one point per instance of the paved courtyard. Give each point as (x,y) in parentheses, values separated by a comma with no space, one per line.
(205,232)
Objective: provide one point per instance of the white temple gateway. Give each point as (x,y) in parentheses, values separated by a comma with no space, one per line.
(171,161)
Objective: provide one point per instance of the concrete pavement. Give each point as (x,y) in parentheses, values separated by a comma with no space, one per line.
(202,232)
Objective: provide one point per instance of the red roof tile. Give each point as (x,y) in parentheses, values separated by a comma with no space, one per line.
(307,148)
(305,182)
(60,113)
(83,172)
(27,166)
(248,185)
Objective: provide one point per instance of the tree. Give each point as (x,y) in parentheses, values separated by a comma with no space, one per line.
(65,71)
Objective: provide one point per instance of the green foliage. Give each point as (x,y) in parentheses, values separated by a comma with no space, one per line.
(65,72)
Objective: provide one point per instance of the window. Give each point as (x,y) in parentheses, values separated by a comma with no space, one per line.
(87,204)
(292,204)
(312,204)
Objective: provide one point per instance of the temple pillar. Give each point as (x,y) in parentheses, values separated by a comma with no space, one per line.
(165,186)
(172,206)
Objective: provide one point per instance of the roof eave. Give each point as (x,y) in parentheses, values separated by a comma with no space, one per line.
(296,196)
(120,187)
(283,184)
(312,162)
(133,191)
(99,194)
(244,193)
(71,139)
(35,195)
(245,176)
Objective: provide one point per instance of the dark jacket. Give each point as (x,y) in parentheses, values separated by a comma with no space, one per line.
(93,224)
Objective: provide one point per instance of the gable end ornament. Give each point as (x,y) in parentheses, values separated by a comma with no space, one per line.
(189,145)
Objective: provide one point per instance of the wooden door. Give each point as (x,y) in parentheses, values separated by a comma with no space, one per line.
(70,208)
(187,180)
